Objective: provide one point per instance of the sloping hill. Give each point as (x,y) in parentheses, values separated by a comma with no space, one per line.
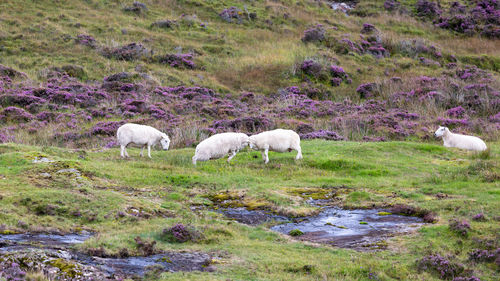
(246,65)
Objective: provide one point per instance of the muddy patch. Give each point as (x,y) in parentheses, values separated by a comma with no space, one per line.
(53,255)
(358,229)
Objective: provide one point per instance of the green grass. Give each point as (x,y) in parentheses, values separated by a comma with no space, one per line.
(371,174)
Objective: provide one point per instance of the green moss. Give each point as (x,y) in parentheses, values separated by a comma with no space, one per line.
(69,269)
(383,213)
(363,222)
(295,232)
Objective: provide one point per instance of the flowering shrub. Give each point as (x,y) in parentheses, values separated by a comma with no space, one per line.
(471,278)
(338,72)
(391,5)
(15,114)
(461,227)
(312,68)
(479,255)
(456,111)
(427,9)
(482,18)
(106,128)
(180,233)
(439,264)
(323,134)
(137,7)
(86,40)
(313,34)
(244,124)
(128,52)
(178,60)
(368,28)
(11,271)
(231,14)
(367,90)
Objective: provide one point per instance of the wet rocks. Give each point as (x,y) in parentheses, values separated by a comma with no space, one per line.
(50,255)
(42,160)
(358,229)
(251,217)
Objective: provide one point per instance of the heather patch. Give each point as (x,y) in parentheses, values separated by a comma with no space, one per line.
(314,34)
(11,73)
(440,265)
(177,60)
(180,233)
(86,40)
(132,51)
(427,9)
(461,227)
(480,17)
(370,43)
(232,14)
(136,7)
(323,134)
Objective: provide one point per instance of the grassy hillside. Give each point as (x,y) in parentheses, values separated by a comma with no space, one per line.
(169,190)
(373,74)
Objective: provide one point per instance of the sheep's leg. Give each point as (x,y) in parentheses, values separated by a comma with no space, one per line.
(233,153)
(263,156)
(122,151)
(267,156)
(299,153)
(142,150)
(194,160)
(149,151)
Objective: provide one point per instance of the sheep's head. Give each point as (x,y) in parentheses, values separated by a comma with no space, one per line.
(245,142)
(251,143)
(165,142)
(440,131)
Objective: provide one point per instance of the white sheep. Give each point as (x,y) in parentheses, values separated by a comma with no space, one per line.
(460,141)
(278,140)
(141,135)
(219,145)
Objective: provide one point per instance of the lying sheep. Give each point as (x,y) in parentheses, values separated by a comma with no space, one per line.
(277,140)
(141,135)
(219,145)
(460,141)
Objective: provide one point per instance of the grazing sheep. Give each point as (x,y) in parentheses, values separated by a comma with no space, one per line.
(141,135)
(460,141)
(276,140)
(219,145)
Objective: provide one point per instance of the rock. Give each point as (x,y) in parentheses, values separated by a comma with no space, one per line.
(45,175)
(42,160)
